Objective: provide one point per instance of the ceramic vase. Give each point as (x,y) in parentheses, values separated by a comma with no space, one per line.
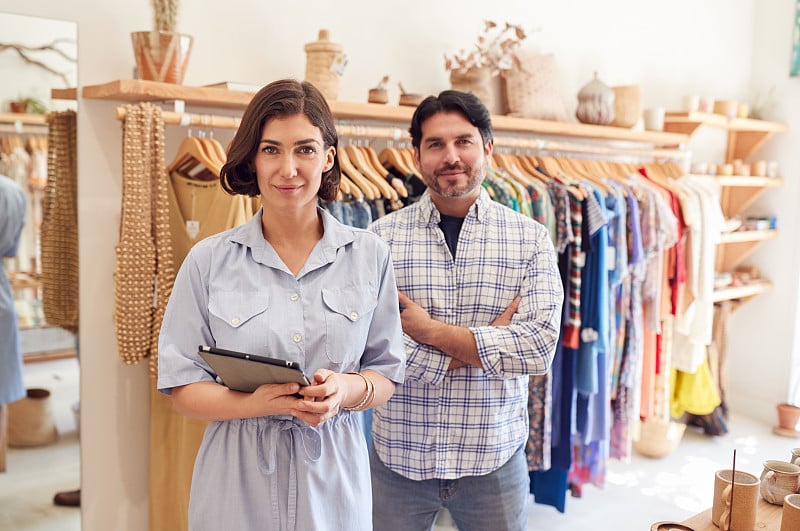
(161,55)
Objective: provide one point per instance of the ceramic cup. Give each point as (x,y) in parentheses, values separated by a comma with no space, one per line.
(745,501)
(790,515)
(654,119)
(691,103)
(706,104)
(778,479)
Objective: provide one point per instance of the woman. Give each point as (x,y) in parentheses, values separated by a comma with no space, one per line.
(292,283)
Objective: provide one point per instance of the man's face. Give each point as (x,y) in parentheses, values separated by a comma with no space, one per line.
(451,157)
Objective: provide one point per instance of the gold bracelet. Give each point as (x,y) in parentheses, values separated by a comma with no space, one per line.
(369,395)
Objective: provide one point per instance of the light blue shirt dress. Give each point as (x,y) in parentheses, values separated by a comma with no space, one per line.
(339,313)
(12,218)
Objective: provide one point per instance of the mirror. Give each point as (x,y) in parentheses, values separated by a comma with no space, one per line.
(38,59)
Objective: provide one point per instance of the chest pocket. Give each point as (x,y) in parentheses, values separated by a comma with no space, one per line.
(234,316)
(348,314)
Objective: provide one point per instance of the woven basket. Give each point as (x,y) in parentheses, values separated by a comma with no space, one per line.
(30,420)
(320,57)
(483,85)
(627,105)
(658,438)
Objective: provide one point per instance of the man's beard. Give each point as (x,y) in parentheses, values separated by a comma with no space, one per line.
(475,176)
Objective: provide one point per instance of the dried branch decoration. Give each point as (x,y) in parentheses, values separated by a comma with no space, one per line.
(165,15)
(494,49)
(25,51)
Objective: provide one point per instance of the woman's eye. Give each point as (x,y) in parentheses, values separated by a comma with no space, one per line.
(269,149)
(307,150)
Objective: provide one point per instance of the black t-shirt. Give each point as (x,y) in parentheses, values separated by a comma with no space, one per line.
(451,226)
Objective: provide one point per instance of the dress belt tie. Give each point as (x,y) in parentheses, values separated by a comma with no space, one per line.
(305,439)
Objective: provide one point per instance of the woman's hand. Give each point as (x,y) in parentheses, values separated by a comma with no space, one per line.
(323,398)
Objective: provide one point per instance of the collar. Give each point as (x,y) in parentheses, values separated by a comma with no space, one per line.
(429,214)
(335,235)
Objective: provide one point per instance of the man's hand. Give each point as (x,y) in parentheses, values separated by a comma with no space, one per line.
(504,319)
(415,320)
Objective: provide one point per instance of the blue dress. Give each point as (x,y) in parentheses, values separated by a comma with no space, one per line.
(340,312)
(12,218)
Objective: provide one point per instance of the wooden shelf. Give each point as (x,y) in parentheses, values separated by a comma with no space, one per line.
(741,236)
(745,135)
(22,118)
(64,94)
(134,90)
(138,90)
(744,181)
(750,289)
(738,245)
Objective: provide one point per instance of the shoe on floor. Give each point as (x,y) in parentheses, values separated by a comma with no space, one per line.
(68,498)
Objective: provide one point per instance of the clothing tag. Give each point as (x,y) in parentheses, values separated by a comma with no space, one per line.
(193,228)
(611,258)
(339,63)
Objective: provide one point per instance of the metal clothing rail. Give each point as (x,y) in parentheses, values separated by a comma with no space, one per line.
(396,134)
(23,124)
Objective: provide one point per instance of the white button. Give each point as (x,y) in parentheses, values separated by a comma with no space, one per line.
(296,338)
(235,321)
(294,297)
(353,316)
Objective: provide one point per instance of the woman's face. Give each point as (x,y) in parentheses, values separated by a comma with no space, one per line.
(289,163)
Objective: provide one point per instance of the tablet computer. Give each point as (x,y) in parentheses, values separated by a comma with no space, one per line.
(245,372)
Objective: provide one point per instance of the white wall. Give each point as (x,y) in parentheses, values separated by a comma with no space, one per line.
(29,80)
(671,48)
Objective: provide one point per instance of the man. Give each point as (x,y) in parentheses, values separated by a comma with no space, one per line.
(12,386)
(481,296)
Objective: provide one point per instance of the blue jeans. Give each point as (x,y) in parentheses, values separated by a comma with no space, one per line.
(498,501)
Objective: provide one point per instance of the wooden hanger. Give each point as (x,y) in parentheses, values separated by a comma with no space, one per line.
(408,156)
(529,164)
(370,192)
(365,167)
(193,161)
(508,164)
(396,183)
(589,172)
(215,147)
(393,158)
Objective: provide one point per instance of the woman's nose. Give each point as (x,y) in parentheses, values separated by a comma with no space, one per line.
(288,167)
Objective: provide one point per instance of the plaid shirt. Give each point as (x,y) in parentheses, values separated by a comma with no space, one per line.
(468,421)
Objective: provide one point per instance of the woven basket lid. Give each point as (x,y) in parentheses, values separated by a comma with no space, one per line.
(323,44)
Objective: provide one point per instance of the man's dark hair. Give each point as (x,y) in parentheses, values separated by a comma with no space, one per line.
(464,103)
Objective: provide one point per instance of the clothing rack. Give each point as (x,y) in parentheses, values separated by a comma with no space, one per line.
(396,134)
(23,124)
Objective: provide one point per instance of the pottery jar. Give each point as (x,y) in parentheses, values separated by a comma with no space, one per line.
(595,103)
(778,479)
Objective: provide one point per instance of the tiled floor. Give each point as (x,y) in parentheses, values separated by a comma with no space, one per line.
(636,494)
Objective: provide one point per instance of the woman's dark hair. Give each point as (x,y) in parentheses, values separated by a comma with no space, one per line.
(464,103)
(285,97)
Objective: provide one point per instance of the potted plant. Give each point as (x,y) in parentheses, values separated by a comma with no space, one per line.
(162,54)
(493,55)
(27,105)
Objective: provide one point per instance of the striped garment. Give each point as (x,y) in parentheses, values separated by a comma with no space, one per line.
(469,421)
